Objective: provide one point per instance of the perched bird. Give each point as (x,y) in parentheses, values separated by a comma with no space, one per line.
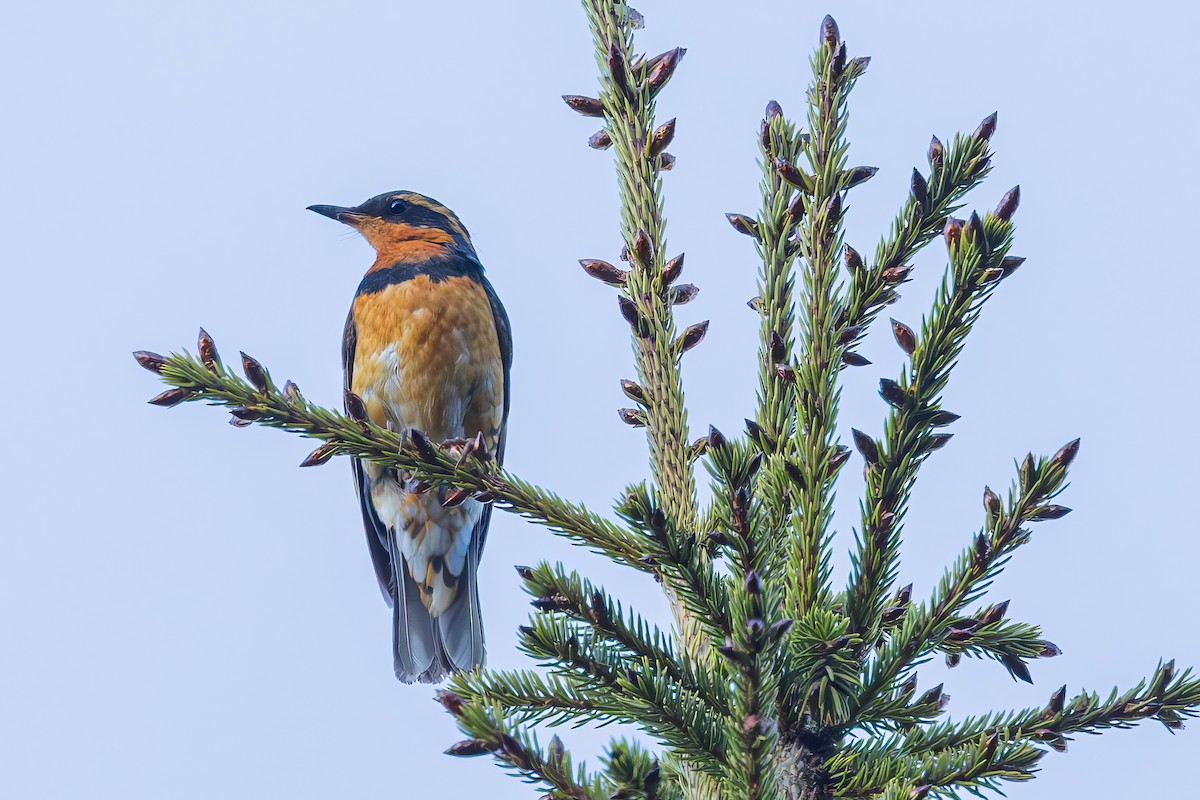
(427,346)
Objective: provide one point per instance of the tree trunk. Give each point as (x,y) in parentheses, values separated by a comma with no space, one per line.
(801,776)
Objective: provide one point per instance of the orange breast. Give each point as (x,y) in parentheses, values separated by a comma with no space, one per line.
(428,356)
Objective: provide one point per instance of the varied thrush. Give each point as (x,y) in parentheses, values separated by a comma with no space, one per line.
(427,346)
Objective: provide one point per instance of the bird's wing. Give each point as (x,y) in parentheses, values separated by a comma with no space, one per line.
(377,534)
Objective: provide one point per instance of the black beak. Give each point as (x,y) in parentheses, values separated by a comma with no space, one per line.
(340,213)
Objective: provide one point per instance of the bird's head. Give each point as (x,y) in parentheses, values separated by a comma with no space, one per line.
(404,226)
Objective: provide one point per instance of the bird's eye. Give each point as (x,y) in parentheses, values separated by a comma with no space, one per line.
(397,206)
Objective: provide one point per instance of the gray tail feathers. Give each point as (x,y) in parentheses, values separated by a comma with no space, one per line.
(427,649)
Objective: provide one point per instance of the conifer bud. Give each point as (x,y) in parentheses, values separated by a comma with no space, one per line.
(759,435)
(940,419)
(643,248)
(777,348)
(1008,204)
(321,455)
(773,110)
(764,136)
(986,128)
(1066,455)
(904,336)
(894,275)
(587,106)
(892,393)
(866,445)
(632,417)
(526,573)
(837,62)
(666,162)
(756,462)
(291,393)
(557,751)
(692,336)
(663,69)
(904,595)
(630,312)
(633,391)
(937,154)
(753,584)
(839,457)
(255,372)
(952,231)
(662,137)
(1049,650)
(794,175)
(169,398)
(937,441)
(1028,473)
(355,408)
(852,359)
(670,273)
(795,209)
(615,61)
(830,36)
(920,191)
(208,350)
(779,629)
(974,233)
(994,614)
(600,140)
(604,271)
(953,660)
(1017,668)
(743,224)
(469,747)
(151,361)
(716,439)
(1048,512)
(684,293)
(833,209)
(983,548)
(859,175)
(991,502)
(849,334)
(1058,701)
(244,414)
(1009,265)
(854,262)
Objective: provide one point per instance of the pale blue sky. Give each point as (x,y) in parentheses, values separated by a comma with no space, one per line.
(187,615)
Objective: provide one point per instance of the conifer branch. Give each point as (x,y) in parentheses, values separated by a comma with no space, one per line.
(820,239)
(924,628)
(1168,696)
(976,254)
(628,86)
(519,750)
(445,466)
(557,591)
(753,649)
(973,767)
(953,172)
(661,707)
(528,697)
(781,147)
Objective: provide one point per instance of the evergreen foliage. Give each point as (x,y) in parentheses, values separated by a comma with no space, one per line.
(774,681)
